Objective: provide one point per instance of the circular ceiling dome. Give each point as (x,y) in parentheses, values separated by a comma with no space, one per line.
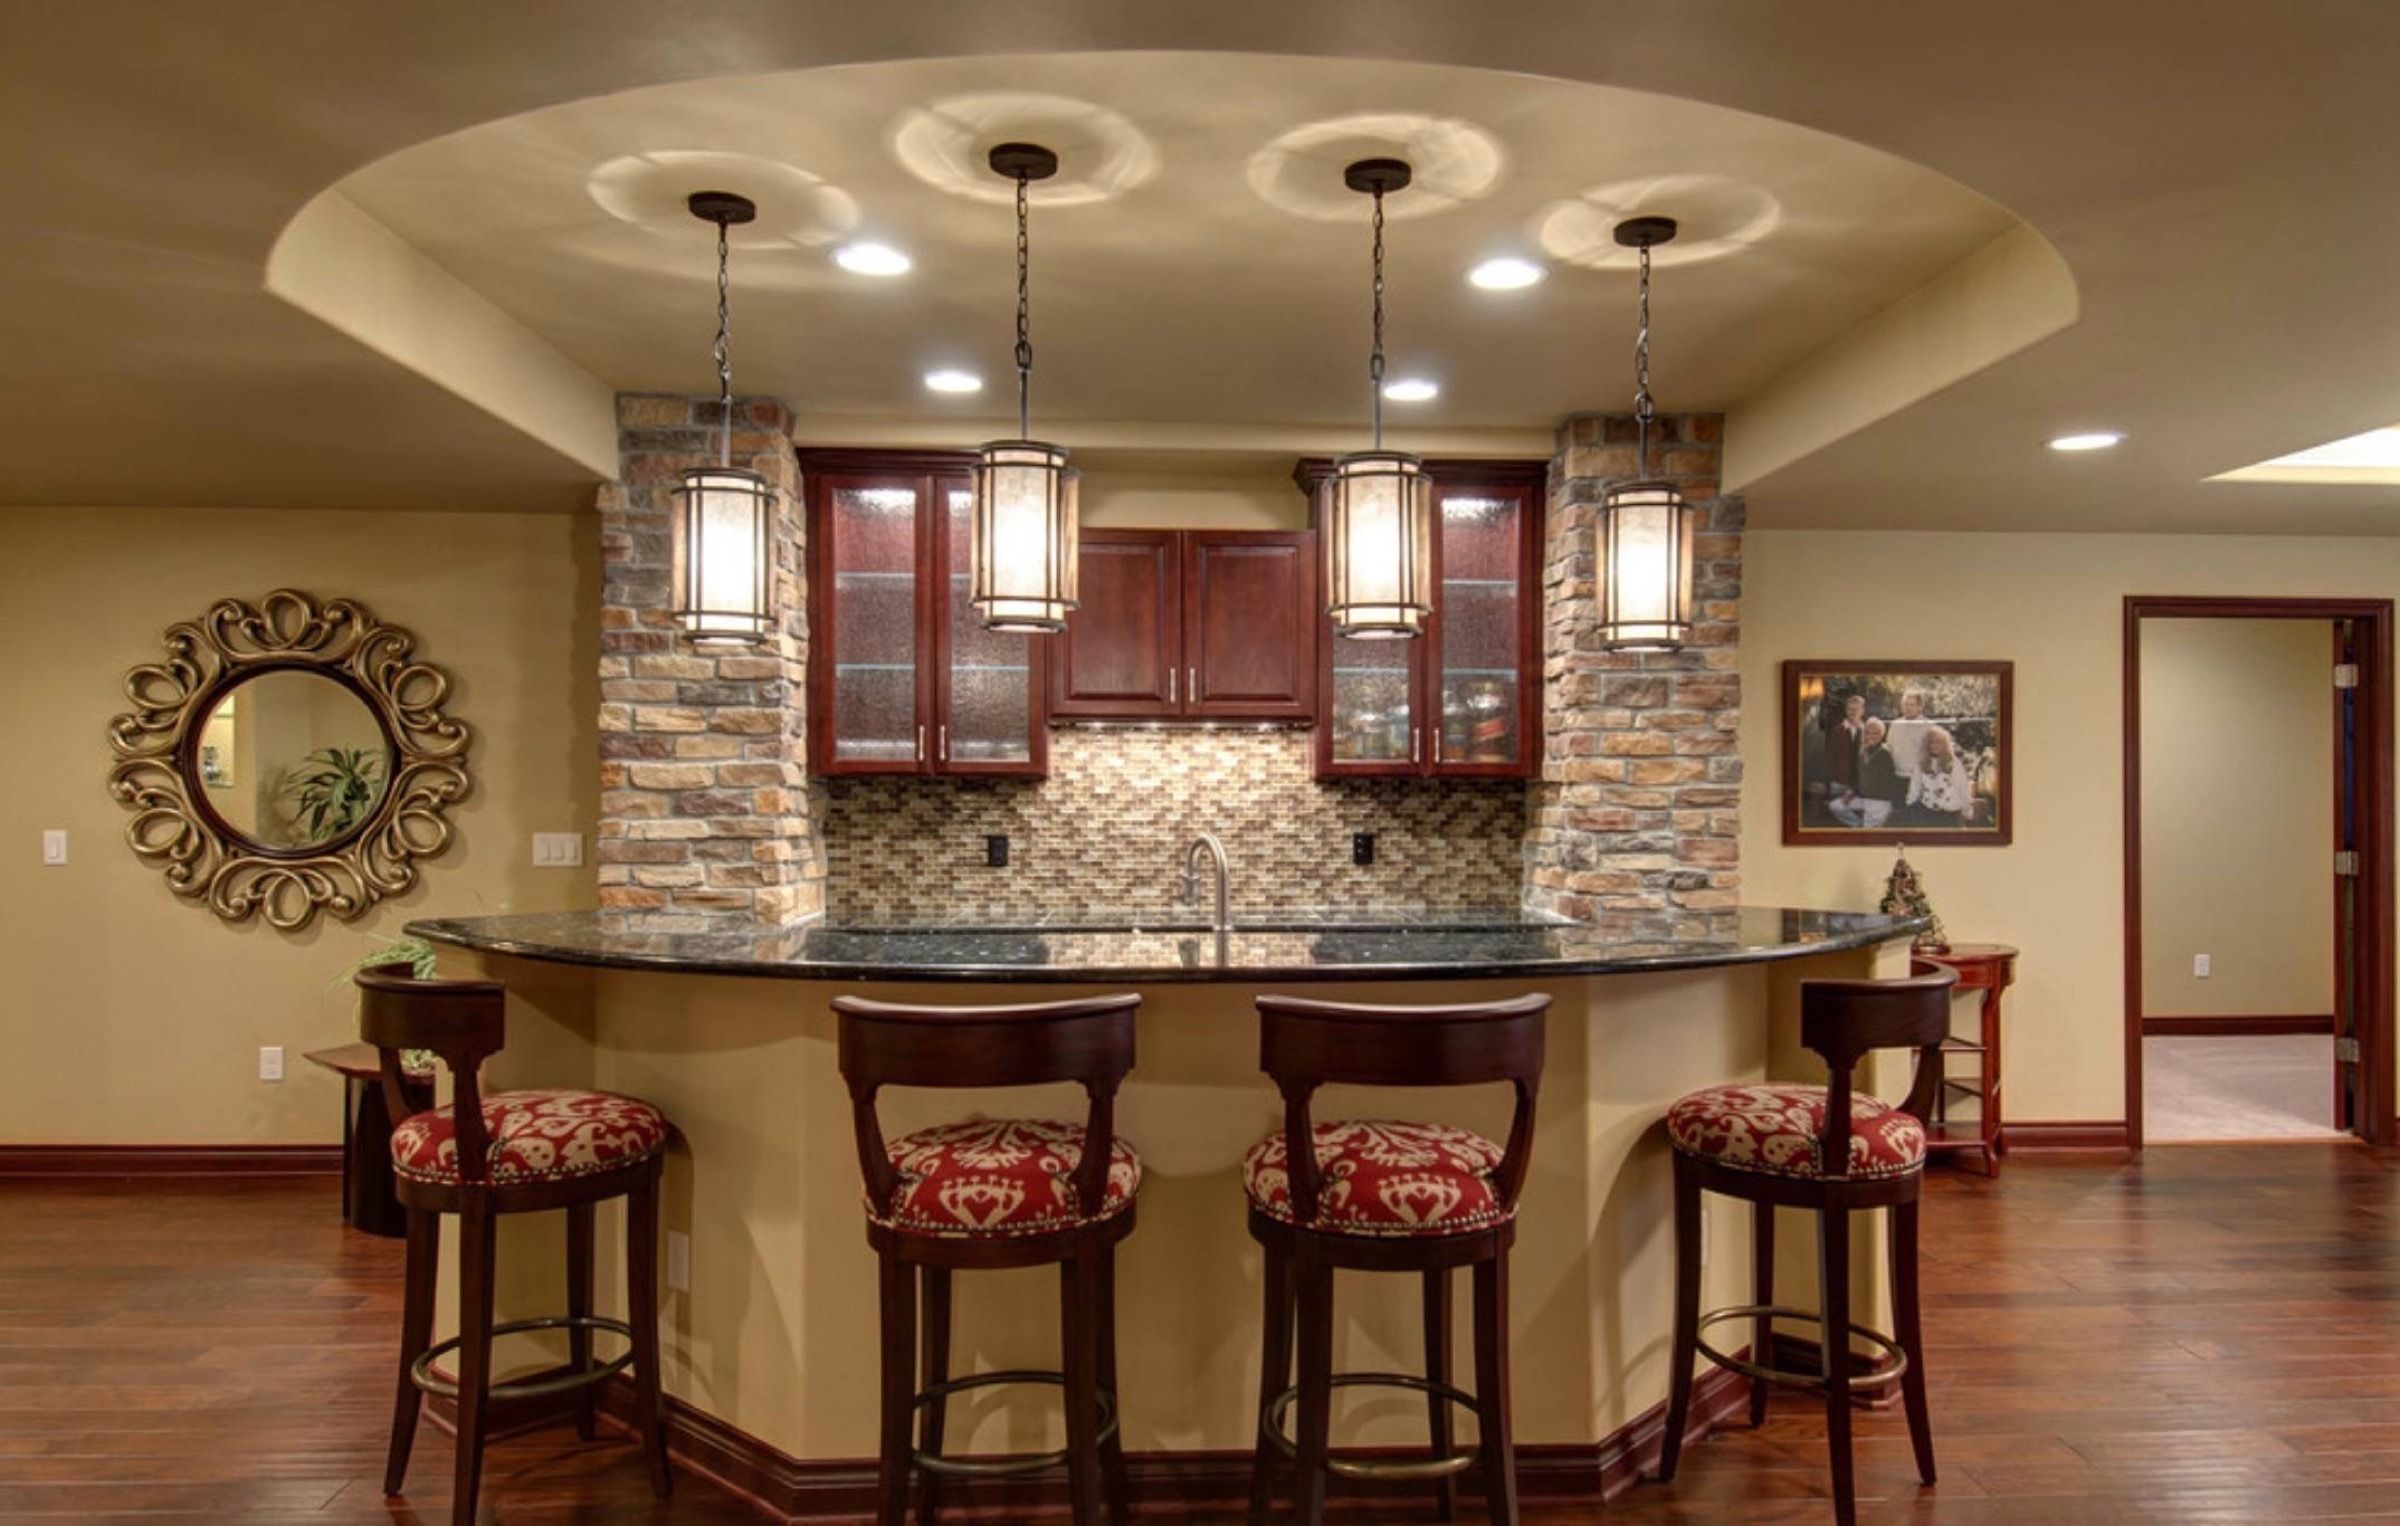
(1101,154)
(650,189)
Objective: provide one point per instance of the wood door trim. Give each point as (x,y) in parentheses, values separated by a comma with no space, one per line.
(2373,954)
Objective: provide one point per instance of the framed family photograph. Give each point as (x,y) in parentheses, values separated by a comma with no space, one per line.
(1896,752)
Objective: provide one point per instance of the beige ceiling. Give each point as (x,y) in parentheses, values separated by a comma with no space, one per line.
(2215,176)
(1198,260)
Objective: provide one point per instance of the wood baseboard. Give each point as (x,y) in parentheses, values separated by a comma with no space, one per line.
(1171,1484)
(2194,1025)
(2097,1136)
(28,1160)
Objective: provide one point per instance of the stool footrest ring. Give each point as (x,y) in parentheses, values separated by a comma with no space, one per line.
(1270,1429)
(1783,1376)
(1002,1467)
(422,1374)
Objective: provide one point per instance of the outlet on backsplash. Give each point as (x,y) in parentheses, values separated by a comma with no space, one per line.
(1362,848)
(995,850)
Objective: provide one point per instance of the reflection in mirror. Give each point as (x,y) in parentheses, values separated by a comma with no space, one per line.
(292,759)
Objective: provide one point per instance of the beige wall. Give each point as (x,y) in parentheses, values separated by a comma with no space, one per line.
(1130,497)
(136,1016)
(2237,815)
(2053,604)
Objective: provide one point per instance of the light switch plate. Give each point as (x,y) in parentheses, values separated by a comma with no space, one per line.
(270,1062)
(2200,965)
(557,850)
(54,845)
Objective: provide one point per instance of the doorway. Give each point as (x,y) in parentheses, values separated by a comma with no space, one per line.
(2258,989)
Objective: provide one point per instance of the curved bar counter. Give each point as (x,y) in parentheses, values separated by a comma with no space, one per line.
(771,1350)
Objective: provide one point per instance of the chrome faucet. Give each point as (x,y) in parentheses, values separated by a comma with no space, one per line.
(1187,887)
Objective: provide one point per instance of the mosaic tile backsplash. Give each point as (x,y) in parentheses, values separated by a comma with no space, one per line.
(1109,826)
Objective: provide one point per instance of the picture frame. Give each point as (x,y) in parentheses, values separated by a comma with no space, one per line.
(1917,752)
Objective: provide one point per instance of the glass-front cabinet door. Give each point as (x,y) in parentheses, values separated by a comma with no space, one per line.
(903,677)
(1463,699)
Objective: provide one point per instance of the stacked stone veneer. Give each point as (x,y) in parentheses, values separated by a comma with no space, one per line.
(1637,801)
(703,789)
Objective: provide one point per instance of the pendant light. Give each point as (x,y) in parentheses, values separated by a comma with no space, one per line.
(1023,532)
(1379,510)
(1645,527)
(722,566)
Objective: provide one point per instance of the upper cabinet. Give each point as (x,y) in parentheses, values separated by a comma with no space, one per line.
(903,678)
(1463,700)
(1190,625)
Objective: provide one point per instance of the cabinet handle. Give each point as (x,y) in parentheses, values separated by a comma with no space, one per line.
(945,743)
(1191,685)
(1172,675)
(920,743)
(1416,742)
(1437,746)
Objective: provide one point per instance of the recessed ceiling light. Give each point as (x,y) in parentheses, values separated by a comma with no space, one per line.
(872,260)
(1505,274)
(2098,439)
(1411,389)
(953,381)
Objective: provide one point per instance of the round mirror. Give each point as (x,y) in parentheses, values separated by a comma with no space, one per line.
(292,761)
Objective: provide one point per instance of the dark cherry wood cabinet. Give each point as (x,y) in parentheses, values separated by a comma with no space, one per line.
(1190,625)
(1463,700)
(902,676)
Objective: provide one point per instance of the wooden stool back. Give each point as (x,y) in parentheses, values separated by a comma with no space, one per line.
(1844,1021)
(1305,1044)
(463,1022)
(1088,1041)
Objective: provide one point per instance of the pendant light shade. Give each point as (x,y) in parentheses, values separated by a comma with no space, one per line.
(1379,546)
(723,567)
(1023,534)
(1379,506)
(1645,528)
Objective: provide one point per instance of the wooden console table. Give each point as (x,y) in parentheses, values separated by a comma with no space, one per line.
(1989,968)
(367,1200)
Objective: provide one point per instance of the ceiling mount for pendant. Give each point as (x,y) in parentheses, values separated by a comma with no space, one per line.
(722,207)
(1023,161)
(1378,177)
(1645,232)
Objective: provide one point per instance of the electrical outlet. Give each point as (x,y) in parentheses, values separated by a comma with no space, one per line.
(679,1261)
(54,845)
(270,1062)
(995,851)
(557,850)
(2200,966)
(1362,848)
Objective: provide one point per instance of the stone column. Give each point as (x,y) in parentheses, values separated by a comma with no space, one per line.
(704,801)
(1636,807)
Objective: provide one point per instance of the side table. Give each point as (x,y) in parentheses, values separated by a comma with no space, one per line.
(367,1200)
(1990,968)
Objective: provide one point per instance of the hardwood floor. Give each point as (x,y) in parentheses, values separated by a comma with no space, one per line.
(2212,1334)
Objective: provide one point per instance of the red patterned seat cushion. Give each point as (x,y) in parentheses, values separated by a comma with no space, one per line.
(1385,1178)
(999,1176)
(1775,1128)
(536,1136)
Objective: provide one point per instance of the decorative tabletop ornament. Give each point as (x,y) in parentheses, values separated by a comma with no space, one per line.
(1904,896)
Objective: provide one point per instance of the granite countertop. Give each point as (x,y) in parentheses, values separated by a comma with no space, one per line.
(1124,948)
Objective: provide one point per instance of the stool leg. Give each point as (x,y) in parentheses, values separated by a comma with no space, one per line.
(1076,1293)
(476,1232)
(936,1340)
(1833,1294)
(1112,1450)
(1437,1370)
(1274,1372)
(1491,1390)
(897,1299)
(1762,1293)
(1314,1437)
(1910,1333)
(416,1333)
(1683,1347)
(641,1294)
(579,1306)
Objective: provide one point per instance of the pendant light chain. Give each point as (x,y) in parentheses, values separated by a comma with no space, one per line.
(723,348)
(1024,320)
(1643,408)
(1375,357)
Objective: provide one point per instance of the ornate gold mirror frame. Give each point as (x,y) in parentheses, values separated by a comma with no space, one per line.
(157,773)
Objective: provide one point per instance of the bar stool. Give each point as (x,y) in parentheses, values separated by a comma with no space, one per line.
(1828,1150)
(991,1193)
(509,1152)
(1385,1196)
